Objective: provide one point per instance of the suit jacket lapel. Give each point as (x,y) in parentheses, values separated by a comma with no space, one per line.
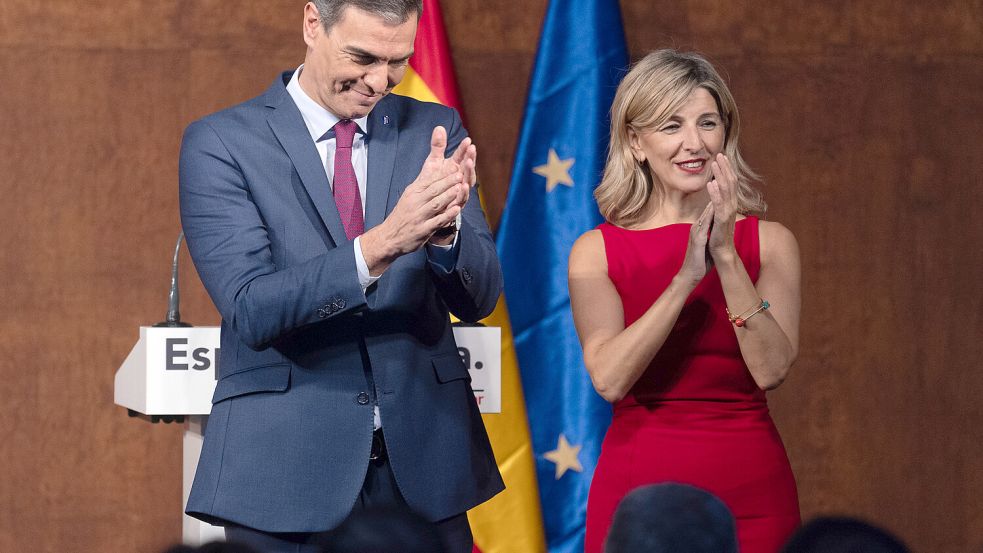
(383,137)
(288,125)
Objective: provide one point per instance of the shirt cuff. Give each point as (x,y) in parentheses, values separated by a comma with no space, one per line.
(444,258)
(364,278)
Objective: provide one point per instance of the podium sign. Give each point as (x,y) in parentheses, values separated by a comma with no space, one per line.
(480,348)
(171,371)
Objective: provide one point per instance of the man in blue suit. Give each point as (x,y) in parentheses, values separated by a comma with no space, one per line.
(333,227)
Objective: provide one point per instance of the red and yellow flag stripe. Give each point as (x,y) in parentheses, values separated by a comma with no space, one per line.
(512,520)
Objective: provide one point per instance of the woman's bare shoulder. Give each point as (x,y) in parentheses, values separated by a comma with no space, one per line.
(777,242)
(588,252)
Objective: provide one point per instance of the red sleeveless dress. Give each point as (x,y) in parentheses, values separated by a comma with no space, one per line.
(695,416)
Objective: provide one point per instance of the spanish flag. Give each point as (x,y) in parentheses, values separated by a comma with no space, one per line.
(512,520)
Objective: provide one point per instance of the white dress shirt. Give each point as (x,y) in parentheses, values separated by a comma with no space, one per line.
(320,123)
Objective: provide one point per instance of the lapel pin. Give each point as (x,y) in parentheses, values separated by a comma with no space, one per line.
(385,119)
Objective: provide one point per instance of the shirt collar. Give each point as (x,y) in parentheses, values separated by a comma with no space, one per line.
(319,121)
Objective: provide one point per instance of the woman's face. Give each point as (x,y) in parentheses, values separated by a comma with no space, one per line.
(680,150)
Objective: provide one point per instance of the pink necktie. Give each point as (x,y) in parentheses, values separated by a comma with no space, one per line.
(346,196)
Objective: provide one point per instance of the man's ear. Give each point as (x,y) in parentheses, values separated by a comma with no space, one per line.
(636,145)
(313,29)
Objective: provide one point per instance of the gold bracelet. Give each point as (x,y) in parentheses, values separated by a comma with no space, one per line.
(731,317)
(741,320)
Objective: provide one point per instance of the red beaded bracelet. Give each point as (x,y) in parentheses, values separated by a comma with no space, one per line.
(741,320)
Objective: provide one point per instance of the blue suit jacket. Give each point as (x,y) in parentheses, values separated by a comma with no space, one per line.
(287,444)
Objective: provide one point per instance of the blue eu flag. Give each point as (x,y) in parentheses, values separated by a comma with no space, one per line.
(560,158)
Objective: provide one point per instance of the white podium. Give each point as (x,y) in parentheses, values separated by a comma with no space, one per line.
(170,372)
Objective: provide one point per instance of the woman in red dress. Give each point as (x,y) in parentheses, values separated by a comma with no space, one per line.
(687,306)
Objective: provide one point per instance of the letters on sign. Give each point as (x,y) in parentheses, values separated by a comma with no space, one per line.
(176,357)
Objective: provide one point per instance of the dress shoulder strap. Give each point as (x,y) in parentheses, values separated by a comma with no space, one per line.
(612,245)
(748,245)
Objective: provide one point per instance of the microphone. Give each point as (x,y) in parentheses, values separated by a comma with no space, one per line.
(173,319)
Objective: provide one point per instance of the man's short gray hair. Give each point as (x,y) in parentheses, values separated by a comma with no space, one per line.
(393,12)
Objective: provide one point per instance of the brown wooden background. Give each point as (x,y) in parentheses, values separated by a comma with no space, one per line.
(864,117)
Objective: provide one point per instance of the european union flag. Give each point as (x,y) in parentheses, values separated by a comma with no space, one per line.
(562,148)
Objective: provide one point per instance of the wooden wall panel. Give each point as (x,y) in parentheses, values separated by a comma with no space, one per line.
(863,118)
(85,144)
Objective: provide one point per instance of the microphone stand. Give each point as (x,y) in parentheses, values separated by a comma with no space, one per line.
(172,320)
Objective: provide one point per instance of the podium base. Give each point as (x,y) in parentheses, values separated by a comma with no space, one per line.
(194,531)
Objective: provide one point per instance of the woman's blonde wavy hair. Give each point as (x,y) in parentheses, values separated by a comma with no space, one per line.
(656,88)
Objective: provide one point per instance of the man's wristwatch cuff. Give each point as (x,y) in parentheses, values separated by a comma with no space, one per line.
(449,230)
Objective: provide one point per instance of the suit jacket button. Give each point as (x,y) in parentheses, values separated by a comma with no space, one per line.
(362,398)
(340,303)
(322,313)
(467,275)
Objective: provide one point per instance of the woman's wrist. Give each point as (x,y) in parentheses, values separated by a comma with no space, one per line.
(724,254)
(683,283)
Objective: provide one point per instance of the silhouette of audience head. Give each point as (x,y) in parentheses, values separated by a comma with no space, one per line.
(668,518)
(842,535)
(383,531)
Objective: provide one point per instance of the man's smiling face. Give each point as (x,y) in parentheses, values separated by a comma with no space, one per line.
(350,67)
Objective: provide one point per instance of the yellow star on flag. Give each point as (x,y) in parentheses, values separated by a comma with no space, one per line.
(565,457)
(556,171)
